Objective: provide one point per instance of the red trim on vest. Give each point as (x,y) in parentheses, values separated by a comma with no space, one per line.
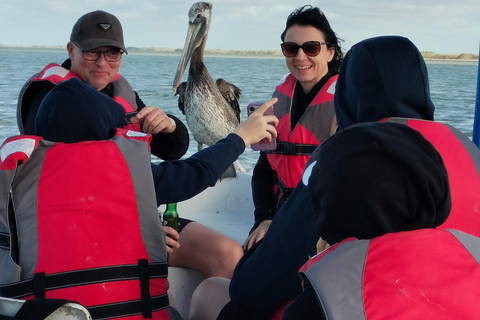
(16,150)
(288,86)
(133,135)
(126,106)
(462,174)
(423,292)
(74,218)
(57,74)
(421,274)
(289,168)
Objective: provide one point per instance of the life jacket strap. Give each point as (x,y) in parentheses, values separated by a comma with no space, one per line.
(297,149)
(116,310)
(145,288)
(283,192)
(80,277)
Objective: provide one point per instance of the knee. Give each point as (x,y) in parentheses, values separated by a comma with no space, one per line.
(223,259)
(209,298)
(229,253)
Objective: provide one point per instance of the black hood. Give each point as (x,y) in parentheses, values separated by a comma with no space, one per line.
(74,111)
(382,77)
(376,178)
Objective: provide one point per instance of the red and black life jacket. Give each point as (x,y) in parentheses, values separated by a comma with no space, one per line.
(79,221)
(422,274)
(54,74)
(462,161)
(294,147)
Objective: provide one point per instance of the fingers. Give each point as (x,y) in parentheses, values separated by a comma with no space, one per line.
(253,238)
(257,234)
(171,239)
(261,110)
(154,120)
(257,126)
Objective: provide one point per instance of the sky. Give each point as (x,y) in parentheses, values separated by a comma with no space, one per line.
(440,26)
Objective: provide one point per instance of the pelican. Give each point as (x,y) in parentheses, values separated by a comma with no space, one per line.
(211,108)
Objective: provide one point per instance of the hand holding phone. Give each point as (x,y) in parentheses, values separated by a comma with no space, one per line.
(263,144)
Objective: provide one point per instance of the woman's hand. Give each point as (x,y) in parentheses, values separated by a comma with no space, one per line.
(257,234)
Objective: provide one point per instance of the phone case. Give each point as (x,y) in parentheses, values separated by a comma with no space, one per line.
(262,145)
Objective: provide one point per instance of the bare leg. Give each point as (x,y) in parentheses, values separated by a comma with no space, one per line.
(209,298)
(207,251)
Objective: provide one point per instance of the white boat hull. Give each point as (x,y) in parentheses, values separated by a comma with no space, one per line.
(227,208)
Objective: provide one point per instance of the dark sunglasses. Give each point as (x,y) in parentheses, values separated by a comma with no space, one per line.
(310,48)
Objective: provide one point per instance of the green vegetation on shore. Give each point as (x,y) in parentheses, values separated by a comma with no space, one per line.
(273,53)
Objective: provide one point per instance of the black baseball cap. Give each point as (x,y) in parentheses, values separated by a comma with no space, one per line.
(97,29)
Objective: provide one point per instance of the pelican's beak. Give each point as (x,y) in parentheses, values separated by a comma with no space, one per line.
(195,35)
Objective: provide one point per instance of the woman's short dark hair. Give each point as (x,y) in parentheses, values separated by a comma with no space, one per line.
(313,16)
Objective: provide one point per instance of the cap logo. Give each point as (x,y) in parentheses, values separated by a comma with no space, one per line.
(104,26)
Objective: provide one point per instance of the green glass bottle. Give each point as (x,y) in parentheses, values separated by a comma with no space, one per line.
(170,216)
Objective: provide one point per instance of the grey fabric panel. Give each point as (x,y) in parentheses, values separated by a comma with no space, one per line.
(24,194)
(338,280)
(470,147)
(122,86)
(10,271)
(471,243)
(282,107)
(320,120)
(398,120)
(137,156)
(6,177)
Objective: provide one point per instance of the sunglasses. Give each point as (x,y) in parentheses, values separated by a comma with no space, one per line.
(92,55)
(310,48)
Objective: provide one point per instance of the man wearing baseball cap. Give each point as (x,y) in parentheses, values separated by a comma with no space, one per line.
(95,53)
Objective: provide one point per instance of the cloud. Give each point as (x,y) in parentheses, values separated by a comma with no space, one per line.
(433,25)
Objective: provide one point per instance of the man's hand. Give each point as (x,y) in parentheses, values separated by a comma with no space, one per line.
(154,120)
(172,239)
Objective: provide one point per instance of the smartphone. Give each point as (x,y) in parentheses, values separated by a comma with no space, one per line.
(263,144)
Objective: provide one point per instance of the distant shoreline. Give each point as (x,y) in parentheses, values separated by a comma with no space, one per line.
(427,55)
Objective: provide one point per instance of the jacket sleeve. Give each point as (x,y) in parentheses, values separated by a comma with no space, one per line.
(267,275)
(179,180)
(264,199)
(168,146)
(171,146)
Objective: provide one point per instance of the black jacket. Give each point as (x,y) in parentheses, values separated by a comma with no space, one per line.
(379,78)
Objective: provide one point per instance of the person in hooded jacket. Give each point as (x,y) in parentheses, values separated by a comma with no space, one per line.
(388,72)
(73,104)
(378,191)
(372,88)
(80,120)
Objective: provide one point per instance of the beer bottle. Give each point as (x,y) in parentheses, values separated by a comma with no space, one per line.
(170,216)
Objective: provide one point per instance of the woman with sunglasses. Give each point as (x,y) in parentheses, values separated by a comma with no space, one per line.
(305,104)
(305,111)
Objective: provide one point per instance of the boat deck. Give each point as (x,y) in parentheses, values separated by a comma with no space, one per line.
(227,208)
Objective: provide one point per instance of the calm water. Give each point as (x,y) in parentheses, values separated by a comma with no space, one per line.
(452,85)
